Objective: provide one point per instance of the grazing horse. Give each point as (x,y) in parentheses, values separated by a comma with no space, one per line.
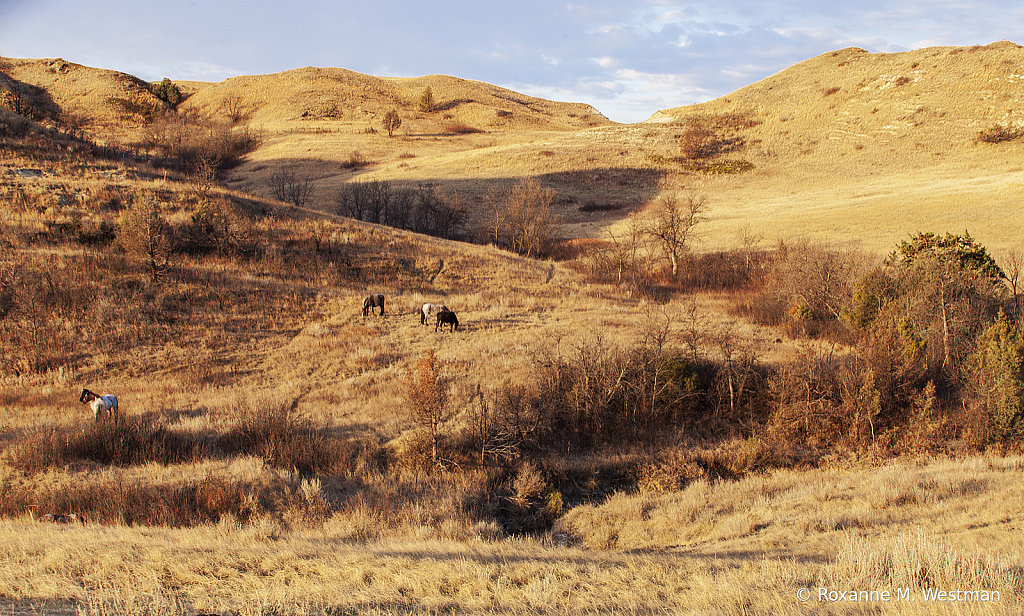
(429,311)
(373,301)
(447,318)
(103,407)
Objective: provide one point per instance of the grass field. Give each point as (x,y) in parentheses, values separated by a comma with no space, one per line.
(727,548)
(606,438)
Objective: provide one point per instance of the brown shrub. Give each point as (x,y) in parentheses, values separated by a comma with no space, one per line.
(131,441)
(273,431)
(458,128)
(999,133)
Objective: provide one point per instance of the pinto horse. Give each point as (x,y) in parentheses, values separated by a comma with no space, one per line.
(373,301)
(429,311)
(447,318)
(103,407)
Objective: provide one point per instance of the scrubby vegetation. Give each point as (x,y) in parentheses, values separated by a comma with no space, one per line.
(631,378)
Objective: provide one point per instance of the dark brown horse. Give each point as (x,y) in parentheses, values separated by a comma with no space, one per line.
(447,318)
(373,301)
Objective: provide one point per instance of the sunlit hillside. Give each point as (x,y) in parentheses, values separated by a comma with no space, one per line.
(852,146)
(676,376)
(848,147)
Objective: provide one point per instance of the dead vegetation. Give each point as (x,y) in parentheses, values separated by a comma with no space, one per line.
(582,404)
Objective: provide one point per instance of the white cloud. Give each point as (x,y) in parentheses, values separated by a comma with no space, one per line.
(629,58)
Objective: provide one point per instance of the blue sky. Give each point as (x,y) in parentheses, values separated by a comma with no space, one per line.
(628,58)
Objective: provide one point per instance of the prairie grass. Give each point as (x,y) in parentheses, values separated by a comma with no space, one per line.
(268,462)
(712,548)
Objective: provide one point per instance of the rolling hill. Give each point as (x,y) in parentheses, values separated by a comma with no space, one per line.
(605,447)
(849,147)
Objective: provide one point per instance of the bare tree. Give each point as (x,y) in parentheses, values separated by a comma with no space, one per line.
(523,220)
(287,186)
(146,235)
(1013,263)
(624,254)
(203,178)
(439,213)
(695,331)
(750,240)
(234,108)
(673,221)
(739,359)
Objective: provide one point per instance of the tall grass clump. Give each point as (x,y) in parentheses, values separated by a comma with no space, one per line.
(920,561)
(131,441)
(272,430)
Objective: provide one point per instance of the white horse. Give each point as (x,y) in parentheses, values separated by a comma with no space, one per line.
(429,311)
(103,407)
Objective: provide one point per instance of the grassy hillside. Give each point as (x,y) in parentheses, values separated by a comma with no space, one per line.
(858,147)
(599,434)
(847,148)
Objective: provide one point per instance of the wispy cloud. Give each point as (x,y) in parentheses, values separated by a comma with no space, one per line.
(628,59)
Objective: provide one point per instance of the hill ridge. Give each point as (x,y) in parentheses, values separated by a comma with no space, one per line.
(819,129)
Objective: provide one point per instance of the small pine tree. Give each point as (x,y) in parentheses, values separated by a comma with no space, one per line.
(999,378)
(391,122)
(427,101)
(167,92)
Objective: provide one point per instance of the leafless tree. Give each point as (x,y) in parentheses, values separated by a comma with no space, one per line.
(739,357)
(624,256)
(523,220)
(146,236)
(286,185)
(1013,263)
(695,330)
(672,223)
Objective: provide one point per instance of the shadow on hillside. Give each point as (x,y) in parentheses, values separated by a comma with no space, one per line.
(29,101)
(623,558)
(580,194)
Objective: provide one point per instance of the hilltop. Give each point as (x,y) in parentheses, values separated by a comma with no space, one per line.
(849,147)
(761,419)
(866,147)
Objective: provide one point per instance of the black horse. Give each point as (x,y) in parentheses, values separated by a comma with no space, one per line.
(447,318)
(373,301)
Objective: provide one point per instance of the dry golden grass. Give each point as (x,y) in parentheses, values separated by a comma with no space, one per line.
(847,148)
(281,329)
(729,548)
